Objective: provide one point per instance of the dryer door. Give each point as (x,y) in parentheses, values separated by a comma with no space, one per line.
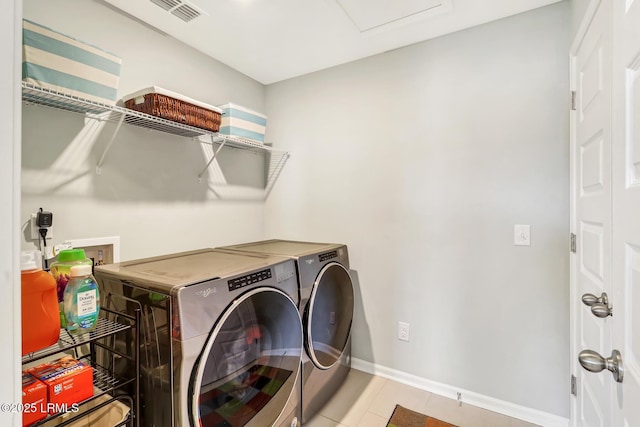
(329,314)
(248,368)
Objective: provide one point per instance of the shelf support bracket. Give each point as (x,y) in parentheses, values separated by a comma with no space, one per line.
(109,144)
(215,153)
(273,176)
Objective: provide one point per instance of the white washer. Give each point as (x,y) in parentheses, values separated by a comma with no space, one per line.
(326,307)
(222,337)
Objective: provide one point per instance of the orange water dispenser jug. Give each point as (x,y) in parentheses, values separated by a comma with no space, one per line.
(40,315)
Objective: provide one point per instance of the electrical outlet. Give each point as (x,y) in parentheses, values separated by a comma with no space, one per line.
(403,331)
(35,230)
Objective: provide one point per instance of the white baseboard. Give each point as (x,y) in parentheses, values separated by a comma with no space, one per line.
(492,404)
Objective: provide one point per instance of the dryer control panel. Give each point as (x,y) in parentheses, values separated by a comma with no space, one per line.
(249,279)
(328,255)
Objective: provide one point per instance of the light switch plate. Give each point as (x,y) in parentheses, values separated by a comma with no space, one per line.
(522,235)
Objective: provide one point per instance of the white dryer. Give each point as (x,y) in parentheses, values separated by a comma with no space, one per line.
(326,307)
(222,337)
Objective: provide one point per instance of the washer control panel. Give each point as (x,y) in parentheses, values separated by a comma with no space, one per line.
(249,279)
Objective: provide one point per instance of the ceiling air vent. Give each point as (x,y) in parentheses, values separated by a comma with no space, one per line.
(186,12)
(180,9)
(167,4)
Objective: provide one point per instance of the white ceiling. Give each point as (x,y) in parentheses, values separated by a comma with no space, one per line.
(273,40)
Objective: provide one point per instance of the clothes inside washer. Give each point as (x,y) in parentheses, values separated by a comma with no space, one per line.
(236,401)
(251,359)
(238,345)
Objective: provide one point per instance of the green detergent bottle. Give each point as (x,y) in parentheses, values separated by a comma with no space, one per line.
(81,300)
(61,270)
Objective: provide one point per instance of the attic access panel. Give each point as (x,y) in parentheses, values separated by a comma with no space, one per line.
(367,15)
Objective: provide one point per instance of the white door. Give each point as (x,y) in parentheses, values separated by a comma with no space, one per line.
(606,155)
(626,209)
(10,118)
(591,264)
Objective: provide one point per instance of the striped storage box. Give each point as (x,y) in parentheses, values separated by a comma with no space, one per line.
(242,122)
(58,62)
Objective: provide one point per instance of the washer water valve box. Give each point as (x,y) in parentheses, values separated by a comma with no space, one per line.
(34,399)
(68,381)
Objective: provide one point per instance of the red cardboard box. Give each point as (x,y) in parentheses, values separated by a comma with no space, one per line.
(68,381)
(34,399)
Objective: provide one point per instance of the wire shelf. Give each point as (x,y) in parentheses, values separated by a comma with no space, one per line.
(67,341)
(32,94)
(104,382)
(42,96)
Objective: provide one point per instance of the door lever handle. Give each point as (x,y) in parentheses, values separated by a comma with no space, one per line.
(590,299)
(601,310)
(600,306)
(593,362)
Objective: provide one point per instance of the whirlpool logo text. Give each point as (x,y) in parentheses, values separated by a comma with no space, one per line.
(206,292)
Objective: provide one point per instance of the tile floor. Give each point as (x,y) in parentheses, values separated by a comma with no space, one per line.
(368,401)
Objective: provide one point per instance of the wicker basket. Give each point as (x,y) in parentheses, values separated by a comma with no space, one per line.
(173,109)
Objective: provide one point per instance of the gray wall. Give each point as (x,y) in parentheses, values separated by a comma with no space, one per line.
(422,159)
(148,192)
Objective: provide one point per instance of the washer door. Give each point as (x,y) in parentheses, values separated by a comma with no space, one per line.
(248,368)
(329,315)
